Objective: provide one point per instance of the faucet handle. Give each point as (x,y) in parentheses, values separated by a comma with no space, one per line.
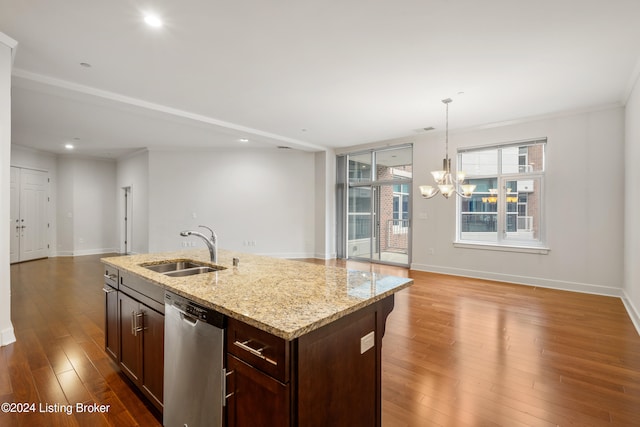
(213,235)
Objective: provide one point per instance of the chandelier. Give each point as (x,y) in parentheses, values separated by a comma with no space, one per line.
(446,183)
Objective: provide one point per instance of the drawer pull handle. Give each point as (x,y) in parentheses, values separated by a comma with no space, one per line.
(135,327)
(108,290)
(110,276)
(255,352)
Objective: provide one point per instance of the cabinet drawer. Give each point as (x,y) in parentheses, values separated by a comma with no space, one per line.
(260,349)
(111,276)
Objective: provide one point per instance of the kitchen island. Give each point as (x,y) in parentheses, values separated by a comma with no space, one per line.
(302,342)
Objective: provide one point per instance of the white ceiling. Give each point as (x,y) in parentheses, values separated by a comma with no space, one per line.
(305,73)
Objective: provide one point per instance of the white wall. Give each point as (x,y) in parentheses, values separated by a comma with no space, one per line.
(583,210)
(133,172)
(6,48)
(632,206)
(325,214)
(264,196)
(86,204)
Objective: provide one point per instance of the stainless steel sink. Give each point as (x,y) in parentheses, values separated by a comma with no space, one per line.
(191,271)
(181,268)
(172,266)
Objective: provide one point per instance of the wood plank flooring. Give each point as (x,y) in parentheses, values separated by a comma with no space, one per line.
(457,352)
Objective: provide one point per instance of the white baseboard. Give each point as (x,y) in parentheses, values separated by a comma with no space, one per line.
(286,255)
(87,252)
(325,256)
(564,285)
(633,312)
(7,337)
(587,288)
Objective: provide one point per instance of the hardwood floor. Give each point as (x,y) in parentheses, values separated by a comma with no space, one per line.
(457,352)
(57,309)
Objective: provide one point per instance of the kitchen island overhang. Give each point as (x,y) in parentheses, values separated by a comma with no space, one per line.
(286,298)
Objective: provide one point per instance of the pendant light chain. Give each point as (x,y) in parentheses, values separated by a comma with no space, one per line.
(446,133)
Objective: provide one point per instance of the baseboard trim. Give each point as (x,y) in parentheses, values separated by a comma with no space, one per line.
(287,255)
(633,312)
(564,285)
(7,337)
(87,252)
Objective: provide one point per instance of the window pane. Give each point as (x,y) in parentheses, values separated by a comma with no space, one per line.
(523,210)
(359,217)
(393,164)
(359,199)
(523,159)
(360,168)
(359,227)
(479,163)
(479,214)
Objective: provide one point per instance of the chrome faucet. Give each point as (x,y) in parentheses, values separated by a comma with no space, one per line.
(212,242)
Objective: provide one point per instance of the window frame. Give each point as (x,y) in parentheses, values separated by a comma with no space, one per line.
(503,242)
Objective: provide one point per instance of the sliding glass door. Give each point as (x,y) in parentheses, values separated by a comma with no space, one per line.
(377,207)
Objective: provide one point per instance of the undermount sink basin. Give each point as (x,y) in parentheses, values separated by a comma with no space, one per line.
(181,268)
(191,271)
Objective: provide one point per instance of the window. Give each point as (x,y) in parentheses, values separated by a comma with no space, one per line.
(400,220)
(506,206)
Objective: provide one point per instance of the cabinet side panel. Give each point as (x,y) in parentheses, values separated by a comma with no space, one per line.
(337,382)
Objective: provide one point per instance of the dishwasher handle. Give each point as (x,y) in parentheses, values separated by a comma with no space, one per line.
(188,319)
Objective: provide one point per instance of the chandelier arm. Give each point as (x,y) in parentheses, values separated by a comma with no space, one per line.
(462,195)
(431,196)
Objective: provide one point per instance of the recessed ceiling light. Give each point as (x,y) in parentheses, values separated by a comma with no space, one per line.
(85,65)
(153,21)
(68,146)
(243,140)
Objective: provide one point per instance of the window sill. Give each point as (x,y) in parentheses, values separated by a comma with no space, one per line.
(541,250)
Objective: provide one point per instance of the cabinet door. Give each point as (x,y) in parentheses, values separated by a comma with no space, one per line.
(258,400)
(130,342)
(111,342)
(153,355)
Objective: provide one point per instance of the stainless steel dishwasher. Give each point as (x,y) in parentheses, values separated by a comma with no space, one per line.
(194,378)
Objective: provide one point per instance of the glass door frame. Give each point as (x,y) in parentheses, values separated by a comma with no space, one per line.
(343,192)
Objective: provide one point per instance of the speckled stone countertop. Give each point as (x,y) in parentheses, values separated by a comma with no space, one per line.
(283,297)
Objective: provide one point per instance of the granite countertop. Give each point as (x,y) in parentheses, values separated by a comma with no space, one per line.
(286,298)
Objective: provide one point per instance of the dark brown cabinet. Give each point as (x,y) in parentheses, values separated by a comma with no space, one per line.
(256,398)
(134,332)
(330,376)
(327,376)
(153,355)
(111,337)
(258,383)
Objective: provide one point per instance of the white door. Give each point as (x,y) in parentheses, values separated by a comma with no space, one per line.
(14,216)
(29,215)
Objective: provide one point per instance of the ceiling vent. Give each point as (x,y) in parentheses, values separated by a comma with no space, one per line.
(422,130)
